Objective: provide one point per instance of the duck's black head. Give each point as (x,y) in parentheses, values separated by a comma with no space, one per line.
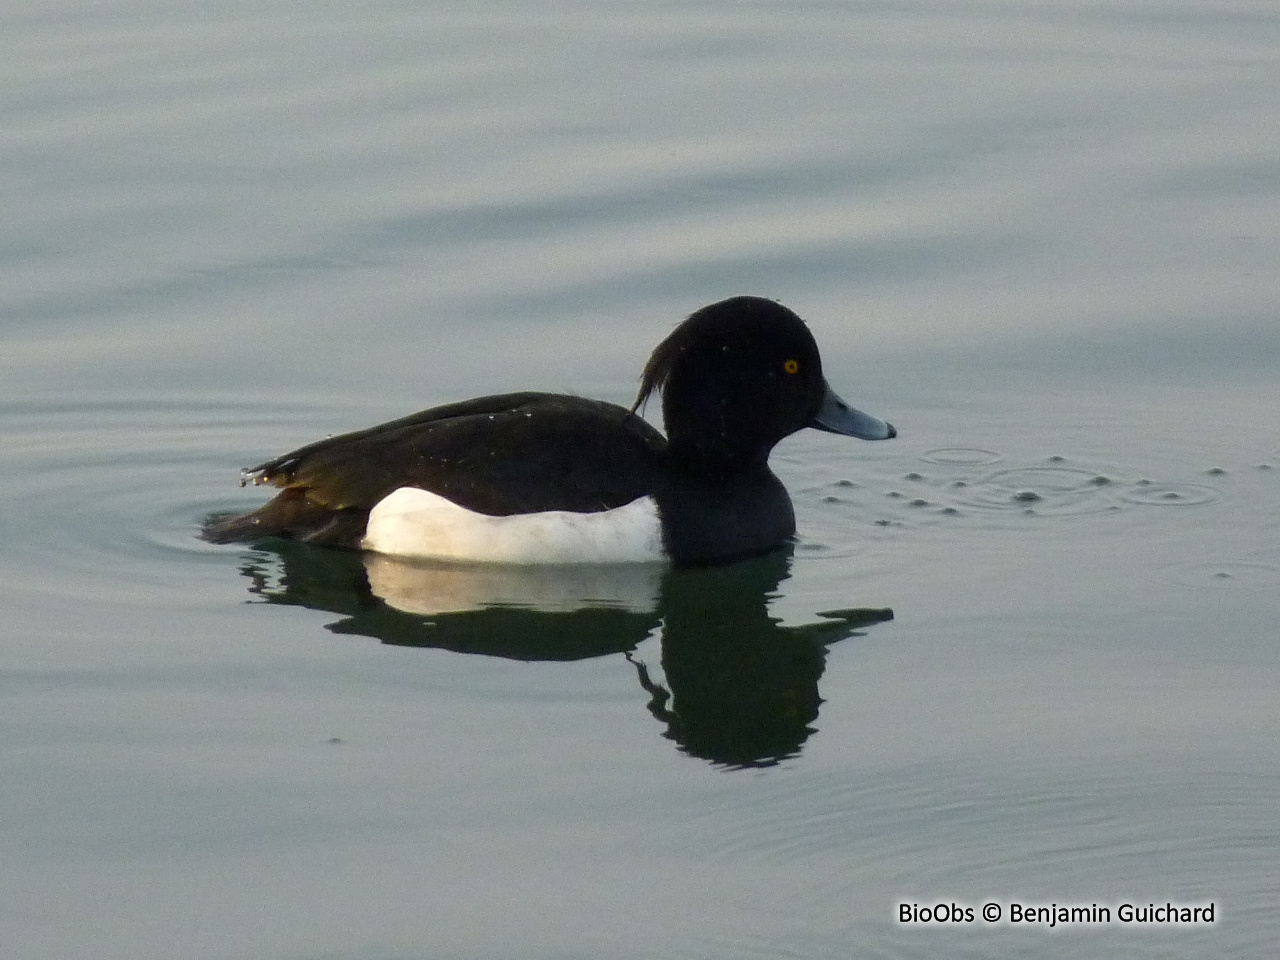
(737,377)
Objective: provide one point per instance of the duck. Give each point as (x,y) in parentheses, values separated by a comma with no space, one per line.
(546,478)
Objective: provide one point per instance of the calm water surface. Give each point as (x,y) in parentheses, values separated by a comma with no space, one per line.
(1041,238)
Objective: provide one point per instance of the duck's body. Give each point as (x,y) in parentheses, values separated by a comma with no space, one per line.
(545,478)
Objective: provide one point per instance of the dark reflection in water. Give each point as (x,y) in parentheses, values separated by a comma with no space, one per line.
(740,688)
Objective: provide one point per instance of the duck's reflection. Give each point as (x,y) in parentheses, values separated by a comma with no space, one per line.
(740,688)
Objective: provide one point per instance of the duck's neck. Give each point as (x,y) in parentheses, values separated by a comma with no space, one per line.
(707,458)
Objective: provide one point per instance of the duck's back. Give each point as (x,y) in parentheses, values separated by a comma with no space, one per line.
(500,456)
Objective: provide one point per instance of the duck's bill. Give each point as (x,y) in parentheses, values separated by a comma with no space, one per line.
(836,416)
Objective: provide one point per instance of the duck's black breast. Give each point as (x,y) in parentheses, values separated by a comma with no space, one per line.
(711,518)
(501,455)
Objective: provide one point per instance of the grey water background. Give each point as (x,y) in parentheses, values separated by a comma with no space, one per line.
(1041,238)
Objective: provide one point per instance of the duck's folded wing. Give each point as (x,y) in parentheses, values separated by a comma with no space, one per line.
(516,453)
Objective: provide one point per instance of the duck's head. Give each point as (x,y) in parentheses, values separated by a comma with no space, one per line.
(737,377)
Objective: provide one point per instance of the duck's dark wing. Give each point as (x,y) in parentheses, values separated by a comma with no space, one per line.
(515,453)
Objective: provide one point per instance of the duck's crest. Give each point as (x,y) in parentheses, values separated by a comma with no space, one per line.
(658,369)
(728,313)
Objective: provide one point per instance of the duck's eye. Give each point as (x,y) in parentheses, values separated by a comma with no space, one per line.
(791,366)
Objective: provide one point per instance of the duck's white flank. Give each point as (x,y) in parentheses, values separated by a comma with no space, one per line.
(417,523)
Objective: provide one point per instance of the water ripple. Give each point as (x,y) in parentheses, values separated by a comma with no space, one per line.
(1167,494)
(961,457)
(859,845)
(1053,490)
(113,493)
(1223,574)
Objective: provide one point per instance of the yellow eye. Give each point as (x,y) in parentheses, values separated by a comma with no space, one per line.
(791,366)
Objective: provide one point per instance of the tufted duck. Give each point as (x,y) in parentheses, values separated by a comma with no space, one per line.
(546,478)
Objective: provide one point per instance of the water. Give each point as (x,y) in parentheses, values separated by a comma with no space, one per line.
(1040,238)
